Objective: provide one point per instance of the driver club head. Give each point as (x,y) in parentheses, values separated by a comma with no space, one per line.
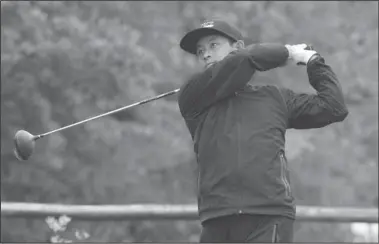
(24,143)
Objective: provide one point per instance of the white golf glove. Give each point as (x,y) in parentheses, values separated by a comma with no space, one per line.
(298,54)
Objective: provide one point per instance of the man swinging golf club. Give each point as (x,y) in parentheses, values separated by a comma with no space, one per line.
(238,129)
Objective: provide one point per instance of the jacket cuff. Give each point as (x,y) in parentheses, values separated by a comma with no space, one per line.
(315,57)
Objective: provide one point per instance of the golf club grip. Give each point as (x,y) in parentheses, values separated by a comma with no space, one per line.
(309,47)
(110,112)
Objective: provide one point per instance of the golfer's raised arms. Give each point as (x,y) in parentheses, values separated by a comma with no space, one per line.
(227,76)
(306,111)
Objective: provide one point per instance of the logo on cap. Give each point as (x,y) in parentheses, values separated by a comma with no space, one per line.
(208,24)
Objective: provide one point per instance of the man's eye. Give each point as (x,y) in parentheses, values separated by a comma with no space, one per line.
(199,52)
(213,45)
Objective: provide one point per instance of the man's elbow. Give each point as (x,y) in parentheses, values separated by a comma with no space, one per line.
(341,115)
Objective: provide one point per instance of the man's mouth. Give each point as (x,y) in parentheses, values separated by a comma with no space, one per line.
(209,64)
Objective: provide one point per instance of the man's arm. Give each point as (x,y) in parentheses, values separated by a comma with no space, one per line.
(308,111)
(227,76)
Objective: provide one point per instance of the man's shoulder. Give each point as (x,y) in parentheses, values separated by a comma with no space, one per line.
(193,77)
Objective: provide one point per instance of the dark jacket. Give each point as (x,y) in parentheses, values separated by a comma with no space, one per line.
(239,130)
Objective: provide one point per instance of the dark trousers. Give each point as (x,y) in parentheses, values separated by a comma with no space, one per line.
(248,228)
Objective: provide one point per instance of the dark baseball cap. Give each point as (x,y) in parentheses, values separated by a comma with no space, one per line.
(212,27)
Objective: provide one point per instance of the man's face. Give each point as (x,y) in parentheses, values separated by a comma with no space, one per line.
(214,48)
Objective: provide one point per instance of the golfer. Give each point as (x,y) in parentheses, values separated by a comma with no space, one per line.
(238,130)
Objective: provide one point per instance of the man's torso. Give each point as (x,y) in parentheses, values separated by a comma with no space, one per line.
(239,144)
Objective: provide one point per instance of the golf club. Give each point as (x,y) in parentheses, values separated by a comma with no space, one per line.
(25,141)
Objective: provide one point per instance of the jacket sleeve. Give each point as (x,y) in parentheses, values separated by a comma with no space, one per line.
(307,111)
(227,76)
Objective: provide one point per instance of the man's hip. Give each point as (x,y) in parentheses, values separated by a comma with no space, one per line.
(248,228)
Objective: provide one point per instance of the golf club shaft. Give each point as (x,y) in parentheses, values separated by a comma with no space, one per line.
(109,113)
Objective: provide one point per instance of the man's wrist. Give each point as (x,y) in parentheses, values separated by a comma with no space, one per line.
(313,57)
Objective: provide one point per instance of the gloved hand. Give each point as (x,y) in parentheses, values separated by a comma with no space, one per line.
(300,53)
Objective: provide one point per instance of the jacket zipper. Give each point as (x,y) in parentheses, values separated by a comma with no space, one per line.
(198,173)
(283,168)
(274,234)
(238,157)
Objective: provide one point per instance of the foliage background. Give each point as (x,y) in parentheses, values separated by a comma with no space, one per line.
(62,62)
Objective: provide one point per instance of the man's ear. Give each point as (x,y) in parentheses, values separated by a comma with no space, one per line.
(240,44)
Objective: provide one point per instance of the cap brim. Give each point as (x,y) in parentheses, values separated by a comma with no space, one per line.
(189,41)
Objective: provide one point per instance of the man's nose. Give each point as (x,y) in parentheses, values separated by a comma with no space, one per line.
(206,55)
